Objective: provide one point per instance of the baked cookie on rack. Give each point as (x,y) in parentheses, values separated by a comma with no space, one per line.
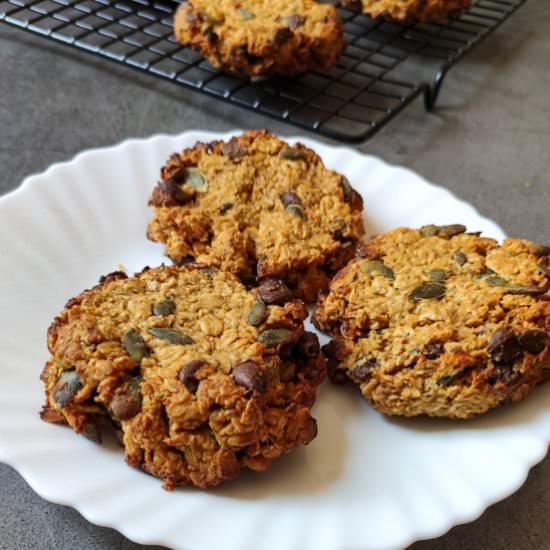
(409,11)
(262,37)
(260,208)
(439,322)
(199,377)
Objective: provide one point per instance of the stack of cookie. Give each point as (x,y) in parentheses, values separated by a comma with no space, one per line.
(204,368)
(285,37)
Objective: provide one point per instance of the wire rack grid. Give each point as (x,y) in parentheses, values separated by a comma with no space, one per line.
(384,67)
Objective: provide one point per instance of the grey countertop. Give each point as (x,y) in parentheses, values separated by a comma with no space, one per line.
(488,142)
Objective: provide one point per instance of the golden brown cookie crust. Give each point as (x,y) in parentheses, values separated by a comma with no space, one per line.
(439,322)
(197,386)
(262,209)
(409,11)
(262,37)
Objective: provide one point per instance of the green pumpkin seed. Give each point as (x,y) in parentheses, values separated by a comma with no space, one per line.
(245,14)
(428,230)
(428,291)
(376,266)
(66,387)
(295,210)
(446,231)
(446,380)
(460,258)
(91,431)
(439,275)
(495,280)
(171,335)
(166,307)
(195,179)
(485,273)
(347,190)
(544,269)
(134,344)
(525,290)
(275,336)
(292,154)
(257,313)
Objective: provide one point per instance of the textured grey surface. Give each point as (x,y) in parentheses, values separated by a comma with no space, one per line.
(489,142)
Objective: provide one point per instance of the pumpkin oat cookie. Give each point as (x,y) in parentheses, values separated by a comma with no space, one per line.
(440,322)
(409,11)
(199,377)
(262,37)
(259,208)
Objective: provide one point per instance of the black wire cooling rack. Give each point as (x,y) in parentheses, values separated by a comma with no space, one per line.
(385,65)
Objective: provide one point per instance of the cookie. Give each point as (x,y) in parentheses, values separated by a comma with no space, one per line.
(408,11)
(199,377)
(262,37)
(259,208)
(439,322)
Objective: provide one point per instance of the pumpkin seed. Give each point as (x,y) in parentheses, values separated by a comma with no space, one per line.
(525,290)
(460,258)
(66,387)
(292,154)
(439,275)
(427,291)
(195,179)
(135,345)
(347,190)
(257,313)
(171,335)
(446,231)
(245,14)
(91,431)
(495,280)
(166,307)
(275,336)
(376,266)
(295,210)
(428,230)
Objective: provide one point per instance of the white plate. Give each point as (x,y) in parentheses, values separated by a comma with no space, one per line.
(366,482)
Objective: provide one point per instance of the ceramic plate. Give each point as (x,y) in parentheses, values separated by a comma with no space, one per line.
(366,482)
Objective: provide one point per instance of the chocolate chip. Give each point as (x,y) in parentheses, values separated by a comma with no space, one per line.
(353,4)
(282,36)
(225,207)
(66,387)
(533,341)
(309,345)
(336,375)
(249,375)
(171,188)
(127,402)
(212,38)
(433,350)
(288,198)
(504,347)
(273,291)
(362,369)
(187,374)
(541,250)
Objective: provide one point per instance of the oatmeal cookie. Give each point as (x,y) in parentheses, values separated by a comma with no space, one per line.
(199,377)
(262,37)
(440,322)
(259,208)
(409,11)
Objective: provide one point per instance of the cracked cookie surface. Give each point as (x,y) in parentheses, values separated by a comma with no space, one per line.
(409,11)
(199,377)
(439,322)
(262,37)
(259,208)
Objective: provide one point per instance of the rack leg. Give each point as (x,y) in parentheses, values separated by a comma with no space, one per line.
(431,92)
